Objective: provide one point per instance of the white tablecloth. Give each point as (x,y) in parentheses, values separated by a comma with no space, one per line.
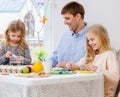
(74,85)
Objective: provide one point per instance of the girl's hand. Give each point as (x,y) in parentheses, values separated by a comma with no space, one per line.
(70,66)
(91,67)
(8,54)
(19,59)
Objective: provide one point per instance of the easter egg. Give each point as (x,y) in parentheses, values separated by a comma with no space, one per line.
(30,69)
(38,67)
(25,70)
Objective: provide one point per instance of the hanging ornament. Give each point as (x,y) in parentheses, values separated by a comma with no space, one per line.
(30,24)
(44,19)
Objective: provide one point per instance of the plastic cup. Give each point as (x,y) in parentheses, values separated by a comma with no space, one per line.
(47,66)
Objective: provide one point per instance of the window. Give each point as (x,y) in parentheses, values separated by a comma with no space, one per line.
(35,15)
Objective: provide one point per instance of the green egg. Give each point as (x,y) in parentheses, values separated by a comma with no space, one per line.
(25,70)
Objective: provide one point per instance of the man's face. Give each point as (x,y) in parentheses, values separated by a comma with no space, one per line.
(71,21)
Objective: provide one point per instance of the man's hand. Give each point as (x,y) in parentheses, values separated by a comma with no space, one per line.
(61,64)
(71,66)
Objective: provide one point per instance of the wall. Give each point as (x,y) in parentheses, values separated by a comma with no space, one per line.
(105,12)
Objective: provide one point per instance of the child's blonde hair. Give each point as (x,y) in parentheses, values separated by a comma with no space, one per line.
(102,33)
(16,25)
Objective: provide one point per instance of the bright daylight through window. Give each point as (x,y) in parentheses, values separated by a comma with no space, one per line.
(32,12)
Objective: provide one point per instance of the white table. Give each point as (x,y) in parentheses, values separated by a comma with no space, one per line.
(74,85)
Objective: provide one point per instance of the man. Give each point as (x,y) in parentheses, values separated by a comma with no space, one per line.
(71,44)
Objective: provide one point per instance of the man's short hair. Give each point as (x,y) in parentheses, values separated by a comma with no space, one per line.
(73,8)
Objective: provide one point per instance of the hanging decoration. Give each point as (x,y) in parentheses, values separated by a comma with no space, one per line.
(41,8)
(44,19)
(30,23)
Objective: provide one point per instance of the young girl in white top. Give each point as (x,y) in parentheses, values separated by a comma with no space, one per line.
(99,58)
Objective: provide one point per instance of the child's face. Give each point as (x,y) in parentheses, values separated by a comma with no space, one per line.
(15,37)
(93,41)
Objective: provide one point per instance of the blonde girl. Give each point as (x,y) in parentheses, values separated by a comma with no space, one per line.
(99,58)
(14,43)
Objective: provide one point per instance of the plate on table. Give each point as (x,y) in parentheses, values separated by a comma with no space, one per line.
(82,71)
(59,70)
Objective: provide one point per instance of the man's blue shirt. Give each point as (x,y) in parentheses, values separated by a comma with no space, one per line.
(71,47)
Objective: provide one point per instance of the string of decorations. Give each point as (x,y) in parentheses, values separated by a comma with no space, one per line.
(41,9)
